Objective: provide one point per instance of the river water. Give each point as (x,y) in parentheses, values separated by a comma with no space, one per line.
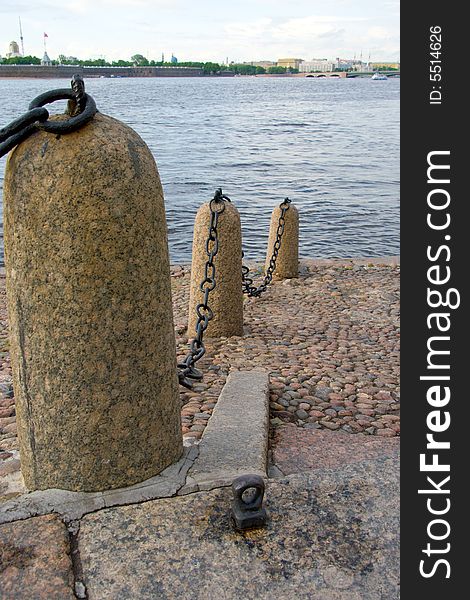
(331,145)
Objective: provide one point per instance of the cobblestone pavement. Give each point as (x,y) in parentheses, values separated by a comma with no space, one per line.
(330,340)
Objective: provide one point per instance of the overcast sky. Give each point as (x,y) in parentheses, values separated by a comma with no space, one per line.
(204,30)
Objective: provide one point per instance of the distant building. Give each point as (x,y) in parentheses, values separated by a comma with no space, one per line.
(13,50)
(46,61)
(173,59)
(290,63)
(384,65)
(343,64)
(317,65)
(351,64)
(359,65)
(261,63)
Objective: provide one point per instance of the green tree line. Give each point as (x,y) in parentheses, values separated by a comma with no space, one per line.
(21,60)
(138,60)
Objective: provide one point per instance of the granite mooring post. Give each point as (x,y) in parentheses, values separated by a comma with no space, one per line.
(287,264)
(226,300)
(89,301)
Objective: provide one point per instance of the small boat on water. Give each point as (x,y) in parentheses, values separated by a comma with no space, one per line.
(379,76)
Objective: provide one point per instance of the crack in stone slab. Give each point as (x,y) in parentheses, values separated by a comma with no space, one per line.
(72,506)
(235,443)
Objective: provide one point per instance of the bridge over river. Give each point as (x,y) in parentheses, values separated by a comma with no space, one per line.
(369,74)
(349,74)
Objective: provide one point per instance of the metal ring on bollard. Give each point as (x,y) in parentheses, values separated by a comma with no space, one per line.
(219,204)
(16,126)
(72,123)
(37,118)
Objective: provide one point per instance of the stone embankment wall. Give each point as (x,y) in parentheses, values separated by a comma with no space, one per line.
(67,71)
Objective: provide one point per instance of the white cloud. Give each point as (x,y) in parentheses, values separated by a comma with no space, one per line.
(378,33)
(310,36)
(249,29)
(203,30)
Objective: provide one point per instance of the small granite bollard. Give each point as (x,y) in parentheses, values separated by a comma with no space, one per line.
(89,301)
(287,264)
(226,300)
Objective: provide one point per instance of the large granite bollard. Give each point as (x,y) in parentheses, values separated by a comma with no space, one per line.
(226,300)
(91,326)
(287,264)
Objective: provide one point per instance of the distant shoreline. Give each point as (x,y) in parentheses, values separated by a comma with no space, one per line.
(189,76)
(68,71)
(64,75)
(281,75)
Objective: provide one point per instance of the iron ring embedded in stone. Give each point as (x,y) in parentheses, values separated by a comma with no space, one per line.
(71,124)
(246,482)
(248,512)
(220,202)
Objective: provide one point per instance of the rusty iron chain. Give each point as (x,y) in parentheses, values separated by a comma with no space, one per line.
(81,110)
(187,372)
(247,281)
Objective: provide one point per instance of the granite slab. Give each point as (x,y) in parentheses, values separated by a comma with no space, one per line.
(235,441)
(35,560)
(332,534)
(295,449)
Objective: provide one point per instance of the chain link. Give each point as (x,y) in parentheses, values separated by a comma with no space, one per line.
(187,372)
(81,110)
(247,281)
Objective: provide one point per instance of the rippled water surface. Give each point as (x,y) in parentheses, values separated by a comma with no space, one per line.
(331,145)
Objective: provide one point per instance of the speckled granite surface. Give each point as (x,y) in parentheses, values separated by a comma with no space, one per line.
(295,450)
(35,560)
(88,291)
(332,535)
(287,263)
(226,299)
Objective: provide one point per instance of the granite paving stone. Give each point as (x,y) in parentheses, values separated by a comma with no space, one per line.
(295,450)
(235,441)
(35,561)
(331,535)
